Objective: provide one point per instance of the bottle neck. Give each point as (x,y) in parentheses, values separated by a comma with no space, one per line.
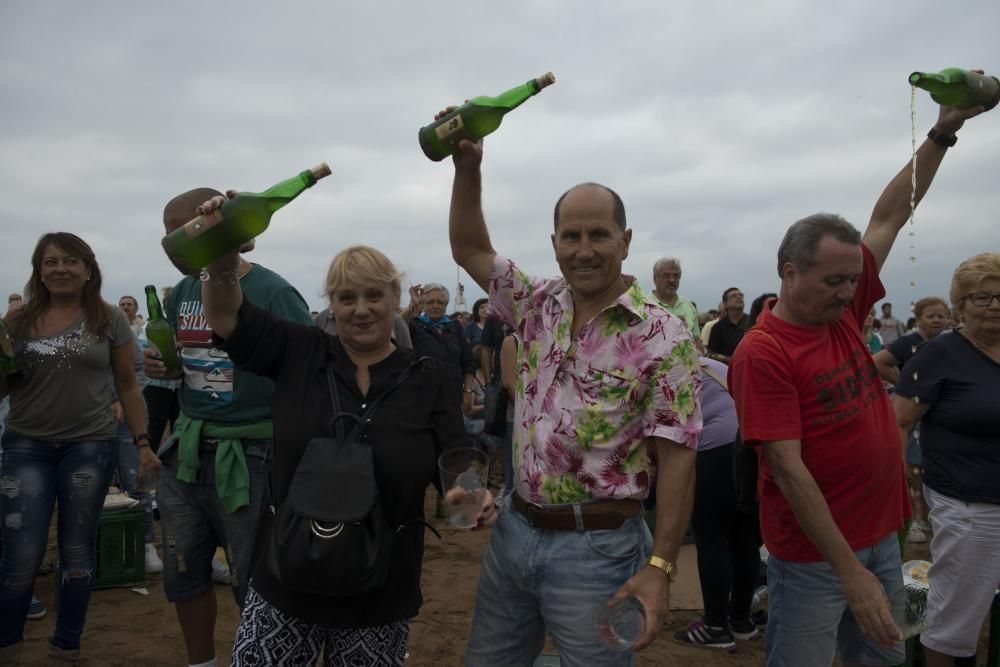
(153,305)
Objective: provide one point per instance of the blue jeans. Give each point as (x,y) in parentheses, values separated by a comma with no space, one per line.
(34,474)
(195,522)
(807,614)
(128,473)
(534,580)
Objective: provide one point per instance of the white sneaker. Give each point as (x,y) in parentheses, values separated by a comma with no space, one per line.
(916,534)
(220,573)
(153,562)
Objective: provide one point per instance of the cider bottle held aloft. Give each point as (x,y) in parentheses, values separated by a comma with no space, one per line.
(959,88)
(160,333)
(6,351)
(207,237)
(476,118)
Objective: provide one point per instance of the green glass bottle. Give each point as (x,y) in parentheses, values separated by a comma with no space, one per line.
(959,88)
(7,366)
(476,118)
(160,333)
(194,245)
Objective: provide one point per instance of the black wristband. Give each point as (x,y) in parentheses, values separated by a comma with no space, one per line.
(942,139)
(141,436)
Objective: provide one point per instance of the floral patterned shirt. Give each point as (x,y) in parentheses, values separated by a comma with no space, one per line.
(684,309)
(587,406)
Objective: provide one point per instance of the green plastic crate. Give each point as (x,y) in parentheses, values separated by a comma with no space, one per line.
(121,548)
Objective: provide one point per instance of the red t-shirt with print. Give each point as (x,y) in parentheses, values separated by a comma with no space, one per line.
(819,385)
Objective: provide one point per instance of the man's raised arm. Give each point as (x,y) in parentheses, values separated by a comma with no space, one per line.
(470,240)
(892,209)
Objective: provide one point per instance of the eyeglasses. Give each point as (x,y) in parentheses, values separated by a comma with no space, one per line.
(983,299)
(435,302)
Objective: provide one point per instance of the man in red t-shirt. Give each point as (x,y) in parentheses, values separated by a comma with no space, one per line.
(832,486)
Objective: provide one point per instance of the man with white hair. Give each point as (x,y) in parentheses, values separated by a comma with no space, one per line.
(667,278)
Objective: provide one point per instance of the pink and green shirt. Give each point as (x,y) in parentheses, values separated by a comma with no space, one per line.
(587,406)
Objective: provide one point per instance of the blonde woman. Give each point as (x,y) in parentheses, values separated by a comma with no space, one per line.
(950,387)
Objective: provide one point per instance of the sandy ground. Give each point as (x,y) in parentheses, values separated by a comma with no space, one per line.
(127,628)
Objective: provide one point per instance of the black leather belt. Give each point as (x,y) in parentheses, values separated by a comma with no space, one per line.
(594,515)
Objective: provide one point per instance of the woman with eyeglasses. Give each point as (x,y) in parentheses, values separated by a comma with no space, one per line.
(438,336)
(951,386)
(932,316)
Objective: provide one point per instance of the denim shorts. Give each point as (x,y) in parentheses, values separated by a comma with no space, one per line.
(532,581)
(195,522)
(808,618)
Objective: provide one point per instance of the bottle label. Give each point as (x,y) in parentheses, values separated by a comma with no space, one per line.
(452,131)
(198,226)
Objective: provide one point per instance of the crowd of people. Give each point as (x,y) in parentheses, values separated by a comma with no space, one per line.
(629,416)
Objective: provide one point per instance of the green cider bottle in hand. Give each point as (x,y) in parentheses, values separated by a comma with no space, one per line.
(7,366)
(959,88)
(207,237)
(160,333)
(476,118)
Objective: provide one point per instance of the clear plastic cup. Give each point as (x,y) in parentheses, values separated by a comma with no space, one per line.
(621,625)
(463,478)
(915,588)
(146,483)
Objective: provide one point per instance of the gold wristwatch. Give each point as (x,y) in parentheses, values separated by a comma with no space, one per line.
(668,568)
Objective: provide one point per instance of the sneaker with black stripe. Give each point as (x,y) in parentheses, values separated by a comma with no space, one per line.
(701,634)
(745,629)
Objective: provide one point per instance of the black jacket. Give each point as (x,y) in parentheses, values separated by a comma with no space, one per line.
(446,343)
(411,428)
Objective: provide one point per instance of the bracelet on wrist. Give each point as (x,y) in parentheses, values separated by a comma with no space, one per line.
(141,438)
(942,139)
(668,568)
(220,278)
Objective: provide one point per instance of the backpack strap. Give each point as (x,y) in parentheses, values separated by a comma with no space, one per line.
(361,422)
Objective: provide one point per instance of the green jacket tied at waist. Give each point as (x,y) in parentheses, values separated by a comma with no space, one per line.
(232,479)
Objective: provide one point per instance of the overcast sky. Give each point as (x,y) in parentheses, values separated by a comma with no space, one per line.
(719,123)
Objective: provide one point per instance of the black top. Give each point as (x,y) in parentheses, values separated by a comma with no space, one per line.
(411,428)
(493,334)
(960,433)
(904,347)
(446,343)
(725,336)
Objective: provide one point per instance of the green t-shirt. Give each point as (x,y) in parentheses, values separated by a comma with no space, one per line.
(213,389)
(684,309)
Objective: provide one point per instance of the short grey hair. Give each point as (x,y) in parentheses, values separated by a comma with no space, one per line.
(666,261)
(801,242)
(432,287)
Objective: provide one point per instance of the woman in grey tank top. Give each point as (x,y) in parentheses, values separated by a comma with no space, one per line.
(60,437)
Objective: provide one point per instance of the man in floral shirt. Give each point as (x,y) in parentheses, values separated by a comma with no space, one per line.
(607,403)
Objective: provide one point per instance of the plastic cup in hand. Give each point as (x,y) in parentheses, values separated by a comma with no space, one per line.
(146,483)
(915,588)
(915,618)
(463,478)
(621,625)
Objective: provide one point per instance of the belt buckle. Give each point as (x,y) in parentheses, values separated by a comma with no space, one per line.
(532,508)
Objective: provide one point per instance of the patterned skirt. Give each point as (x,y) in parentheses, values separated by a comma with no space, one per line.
(267,637)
